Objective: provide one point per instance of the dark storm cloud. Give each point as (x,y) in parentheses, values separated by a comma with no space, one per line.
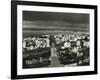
(53,20)
(49,16)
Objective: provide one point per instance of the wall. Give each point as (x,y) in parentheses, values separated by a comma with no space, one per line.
(5,30)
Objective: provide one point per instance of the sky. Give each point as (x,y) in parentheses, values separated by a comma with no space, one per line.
(33,20)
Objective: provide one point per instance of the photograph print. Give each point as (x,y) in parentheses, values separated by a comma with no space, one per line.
(53,39)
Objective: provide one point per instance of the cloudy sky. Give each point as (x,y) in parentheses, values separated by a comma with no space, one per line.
(55,21)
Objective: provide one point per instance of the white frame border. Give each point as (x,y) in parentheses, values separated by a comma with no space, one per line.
(21,71)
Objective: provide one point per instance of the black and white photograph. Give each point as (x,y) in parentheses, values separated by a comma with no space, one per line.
(53,39)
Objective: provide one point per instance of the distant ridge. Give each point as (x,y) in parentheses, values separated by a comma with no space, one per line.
(41,29)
